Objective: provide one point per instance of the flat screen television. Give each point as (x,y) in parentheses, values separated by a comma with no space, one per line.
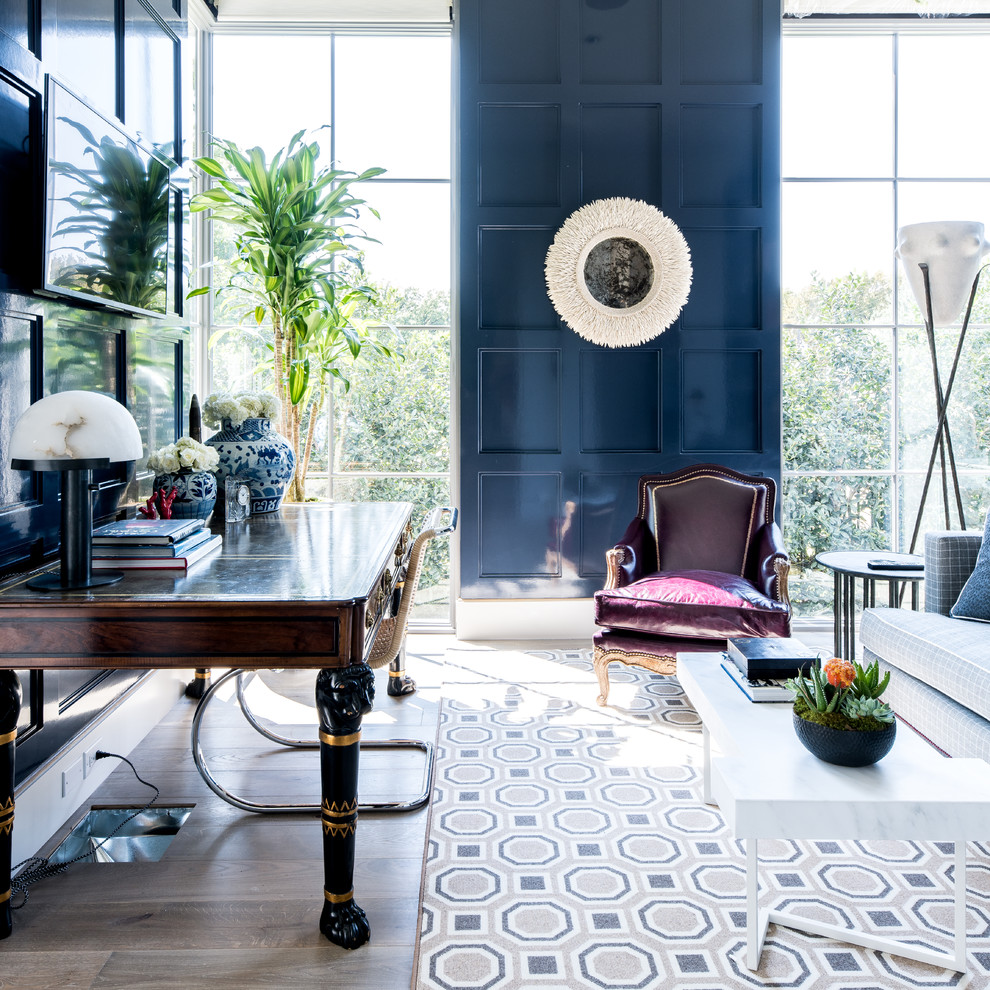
(108,218)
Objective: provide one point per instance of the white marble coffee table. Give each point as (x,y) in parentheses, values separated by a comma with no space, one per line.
(768,785)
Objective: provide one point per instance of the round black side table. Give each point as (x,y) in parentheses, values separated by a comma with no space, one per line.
(847,566)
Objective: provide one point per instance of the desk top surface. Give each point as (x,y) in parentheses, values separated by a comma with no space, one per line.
(326,552)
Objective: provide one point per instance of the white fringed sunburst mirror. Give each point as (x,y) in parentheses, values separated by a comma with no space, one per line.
(618,272)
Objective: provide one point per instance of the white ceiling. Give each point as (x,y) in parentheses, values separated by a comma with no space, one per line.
(335,11)
(437,11)
(802,8)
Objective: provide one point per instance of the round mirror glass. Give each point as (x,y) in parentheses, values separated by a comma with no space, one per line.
(618,272)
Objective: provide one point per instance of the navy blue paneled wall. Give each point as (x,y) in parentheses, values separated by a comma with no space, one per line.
(675,102)
(122,58)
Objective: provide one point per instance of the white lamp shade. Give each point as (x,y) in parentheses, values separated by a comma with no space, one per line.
(954,251)
(76,425)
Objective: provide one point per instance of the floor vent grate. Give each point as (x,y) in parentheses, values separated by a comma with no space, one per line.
(143,839)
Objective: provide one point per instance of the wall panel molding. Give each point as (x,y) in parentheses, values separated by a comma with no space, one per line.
(511,288)
(730,56)
(721,407)
(673,102)
(520,524)
(519,154)
(519,401)
(721,161)
(621,153)
(732,260)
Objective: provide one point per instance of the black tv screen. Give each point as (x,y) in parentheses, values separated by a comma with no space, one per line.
(108,229)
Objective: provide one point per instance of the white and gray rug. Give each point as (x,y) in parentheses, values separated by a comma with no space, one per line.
(569,847)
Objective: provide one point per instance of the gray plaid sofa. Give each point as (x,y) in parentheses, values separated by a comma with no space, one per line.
(939,666)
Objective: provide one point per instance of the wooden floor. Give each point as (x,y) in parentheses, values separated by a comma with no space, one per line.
(235,902)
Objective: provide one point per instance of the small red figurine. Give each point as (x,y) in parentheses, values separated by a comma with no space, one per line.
(165,500)
(159,506)
(149,510)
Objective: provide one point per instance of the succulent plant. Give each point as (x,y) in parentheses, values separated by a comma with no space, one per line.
(838,693)
(815,690)
(863,707)
(867,683)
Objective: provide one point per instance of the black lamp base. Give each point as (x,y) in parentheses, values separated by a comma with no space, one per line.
(76,532)
(53,581)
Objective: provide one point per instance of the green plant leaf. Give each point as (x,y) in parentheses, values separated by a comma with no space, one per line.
(211,167)
(298,381)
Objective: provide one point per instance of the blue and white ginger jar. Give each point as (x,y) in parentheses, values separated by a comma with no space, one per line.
(257,454)
(195,492)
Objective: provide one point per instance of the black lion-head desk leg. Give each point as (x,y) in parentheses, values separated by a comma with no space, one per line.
(10,709)
(343,697)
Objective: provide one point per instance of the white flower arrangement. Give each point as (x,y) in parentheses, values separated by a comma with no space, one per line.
(185,453)
(239,406)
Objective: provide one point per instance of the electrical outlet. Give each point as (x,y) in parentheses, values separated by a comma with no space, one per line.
(72,778)
(89,758)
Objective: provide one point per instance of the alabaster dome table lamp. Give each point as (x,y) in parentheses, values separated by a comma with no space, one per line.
(74,433)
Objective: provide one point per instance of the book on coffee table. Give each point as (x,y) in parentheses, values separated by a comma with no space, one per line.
(758,688)
(773,658)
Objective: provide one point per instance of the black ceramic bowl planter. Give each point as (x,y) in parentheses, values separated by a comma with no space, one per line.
(845,747)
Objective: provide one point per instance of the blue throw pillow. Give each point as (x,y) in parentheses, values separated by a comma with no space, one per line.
(974,600)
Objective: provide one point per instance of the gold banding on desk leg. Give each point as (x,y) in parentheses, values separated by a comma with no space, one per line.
(339,821)
(8,737)
(332,740)
(7,817)
(201,675)
(338,898)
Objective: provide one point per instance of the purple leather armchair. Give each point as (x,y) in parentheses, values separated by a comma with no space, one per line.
(702,561)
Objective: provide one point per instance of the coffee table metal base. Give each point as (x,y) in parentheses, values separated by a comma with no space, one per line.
(757,922)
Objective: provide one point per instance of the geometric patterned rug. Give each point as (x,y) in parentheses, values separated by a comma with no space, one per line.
(569,847)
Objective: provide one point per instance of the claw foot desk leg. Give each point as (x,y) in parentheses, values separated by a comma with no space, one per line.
(343,697)
(10,709)
(399,682)
(196,688)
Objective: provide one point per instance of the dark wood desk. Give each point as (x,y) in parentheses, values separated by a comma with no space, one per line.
(306,587)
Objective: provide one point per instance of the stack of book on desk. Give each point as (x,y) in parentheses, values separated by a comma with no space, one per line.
(761,667)
(152,543)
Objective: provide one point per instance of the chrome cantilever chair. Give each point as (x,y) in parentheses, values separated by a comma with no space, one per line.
(702,561)
(388,648)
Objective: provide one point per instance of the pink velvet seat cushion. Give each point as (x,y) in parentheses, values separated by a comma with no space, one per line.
(696,604)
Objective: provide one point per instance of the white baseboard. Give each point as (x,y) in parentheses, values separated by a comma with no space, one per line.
(525,618)
(40,808)
(552,618)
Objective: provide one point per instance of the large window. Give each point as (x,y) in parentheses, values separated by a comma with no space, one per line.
(881,128)
(381,100)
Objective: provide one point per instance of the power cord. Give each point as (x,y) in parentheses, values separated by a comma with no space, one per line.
(39,868)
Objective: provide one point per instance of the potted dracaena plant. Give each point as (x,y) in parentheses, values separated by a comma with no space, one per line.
(298,268)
